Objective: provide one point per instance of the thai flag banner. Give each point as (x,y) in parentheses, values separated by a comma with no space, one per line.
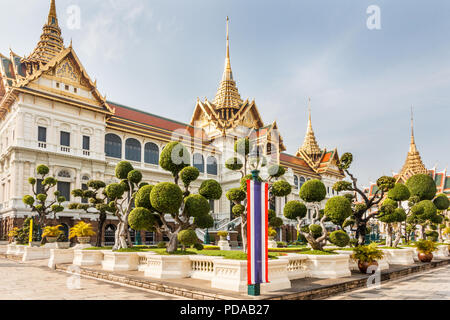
(257,237)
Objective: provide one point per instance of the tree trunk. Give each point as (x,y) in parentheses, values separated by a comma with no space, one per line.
(173,242)
(121,236)
(315,245)
(101,222)
(398,236)
(244,236)
(389,235)
(422,232)
(441,238)
(360,231)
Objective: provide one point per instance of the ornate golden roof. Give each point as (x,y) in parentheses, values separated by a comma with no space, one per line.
(51,43)
(413,164)
(227,96)
(310,145)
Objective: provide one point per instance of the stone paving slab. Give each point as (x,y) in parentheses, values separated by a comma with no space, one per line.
(302,289)
(35,281)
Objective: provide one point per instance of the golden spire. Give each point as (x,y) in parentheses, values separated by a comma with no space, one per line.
(51,42)
(227,95)
(413,164)
(310,146)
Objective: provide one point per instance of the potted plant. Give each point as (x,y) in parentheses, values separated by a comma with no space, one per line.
(425,249)
(12,234)
(62,242)
(367,256)
(52,233)
(222,235)
(272,233)
(83,231)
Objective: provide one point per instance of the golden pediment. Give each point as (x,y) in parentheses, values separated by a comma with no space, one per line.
(66,69)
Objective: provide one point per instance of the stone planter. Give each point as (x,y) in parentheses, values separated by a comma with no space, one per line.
(202,267)
(272,243)
(11,248)
(51,239)
(402,256)
(62,245)
(168,267)
(4,243)
(19,249)
(58,256)
(328,266)
(35,253)
(120,261)
(84,240)
(441,252)
(297,267)
(142,259)
(3,249)
(35,243)
(87,257)
(353,265)
(224,245)
(231,275)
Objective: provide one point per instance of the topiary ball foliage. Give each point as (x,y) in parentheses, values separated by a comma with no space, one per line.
(346,160)
(397,215)
(400,192)
(236,194)
(166,197)
(122,169)
(422,185)
(141,219)
(196,205)
(337,209)
(313,191)
(294,209)
(275,222)
(134,176)
(210,189)
(234,164)
(281,188)
(244,181)
(242,146)
(238,209)
(441,202)
(28,200)
(187,237)
(388,206)
(42,169)
(315,230)
(429,209)
(385,183)
(276,171)
(142,198)
(174,157)
(189,174)
(342,186)
(205,221)
(339,238)
(271,213)
(114,191)
(96,184)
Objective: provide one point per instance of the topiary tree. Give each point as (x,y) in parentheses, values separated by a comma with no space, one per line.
(362,210)
(189,211)
(442,203)
(249,158)
(40,201)
(187,238)
(98,202)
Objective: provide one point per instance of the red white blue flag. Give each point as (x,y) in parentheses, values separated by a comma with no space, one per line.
(257,227)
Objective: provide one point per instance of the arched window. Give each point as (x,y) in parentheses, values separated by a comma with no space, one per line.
(133,150)
(296,182)
(113,146)
(199,162)
(211,167)
(64,174)
(302,181)
(151,153)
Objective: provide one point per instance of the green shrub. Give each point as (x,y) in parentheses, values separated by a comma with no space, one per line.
(122,169)
(271,232)
(210,189)
(114,191)
(425,246)
(275,222)
(196,205)
(337,209)
(238,209)
(315,230)
(294,209)
(187,237)
(222,233)
(198,246)
(134,176)
(422,185)
(339,238)
(244,181)
(205,221)
(142,198)
(166,197)
(234,164)
(236,194)
(313,191)
(42,169)
(281,188)
(141,219)
(429,209)
(400,192)
(174,157)
(189,174)
(161,245)
(441,202)
(369,253)
(28,200)
(342,186)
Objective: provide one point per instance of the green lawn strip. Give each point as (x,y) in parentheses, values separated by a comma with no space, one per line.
(289,250)
(319,252)
(390,247)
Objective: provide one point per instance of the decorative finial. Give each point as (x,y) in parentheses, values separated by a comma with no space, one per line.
(52,18)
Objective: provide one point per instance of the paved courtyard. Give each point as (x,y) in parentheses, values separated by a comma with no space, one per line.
(26,281)
(431,285)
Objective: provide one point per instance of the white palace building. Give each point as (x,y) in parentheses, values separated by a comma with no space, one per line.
(52,113)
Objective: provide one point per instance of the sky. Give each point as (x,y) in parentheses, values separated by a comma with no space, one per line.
(160,55)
